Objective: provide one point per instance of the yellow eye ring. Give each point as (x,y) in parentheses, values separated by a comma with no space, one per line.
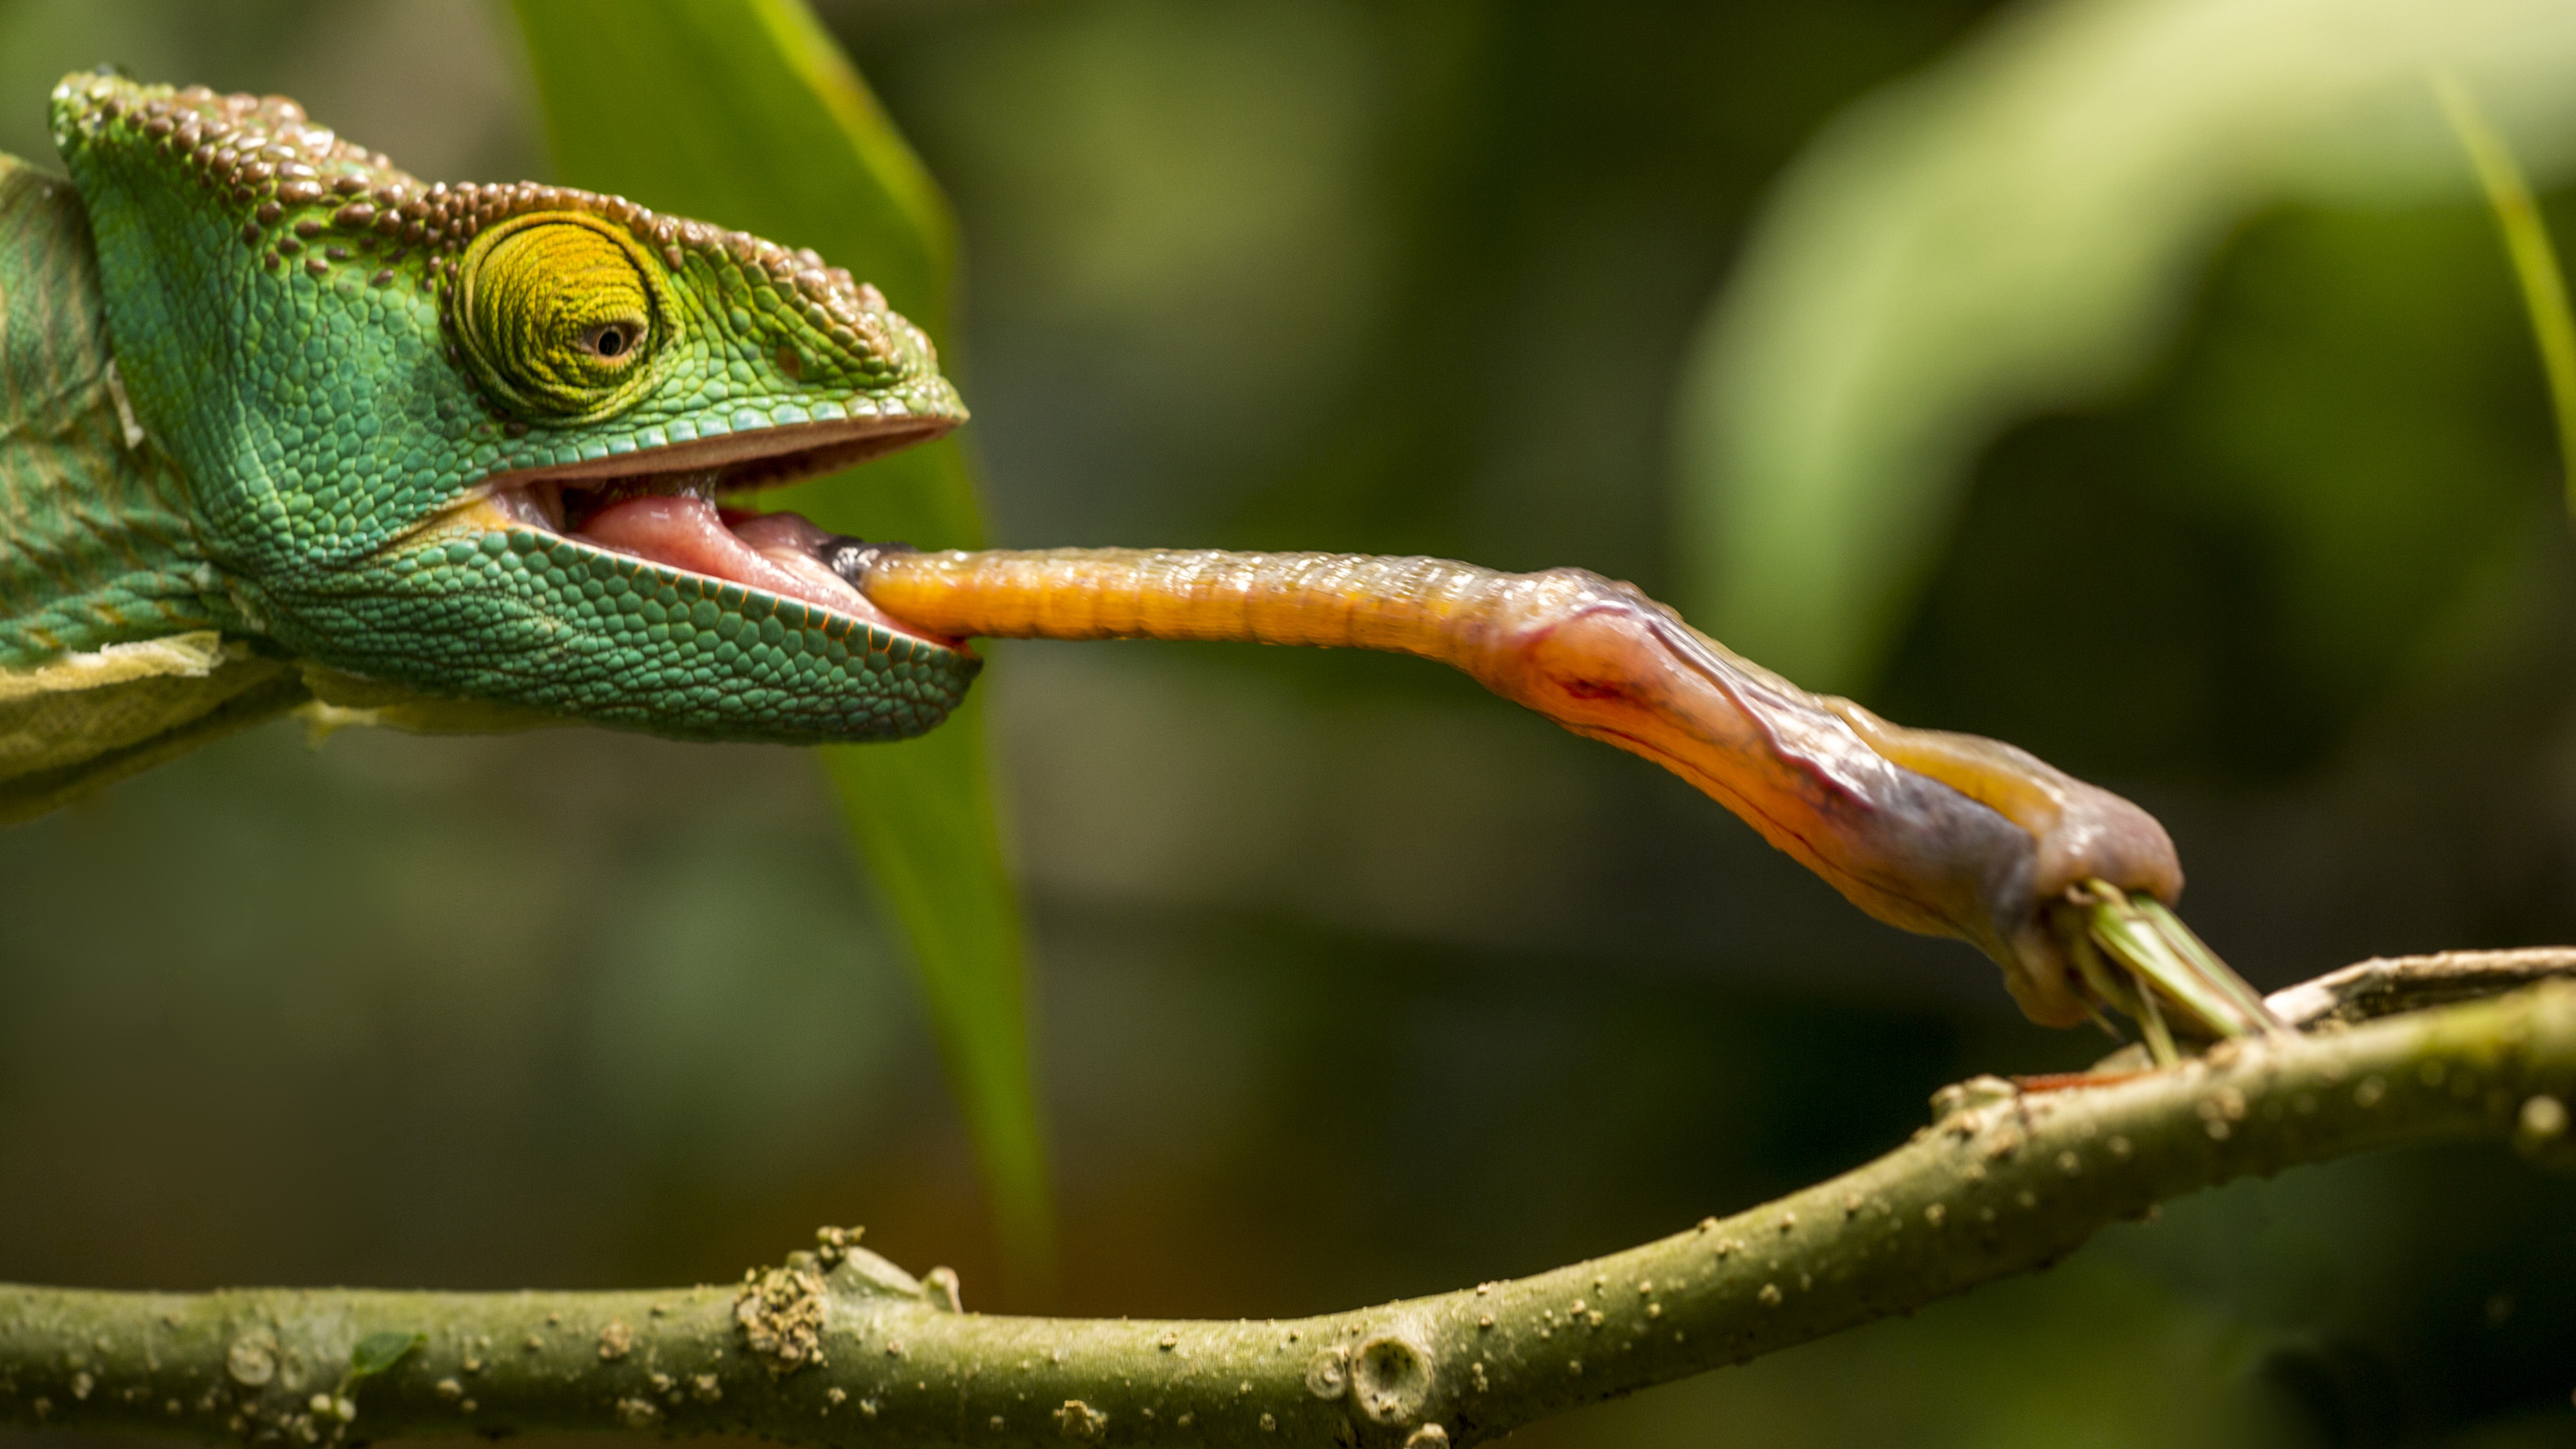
(559,314)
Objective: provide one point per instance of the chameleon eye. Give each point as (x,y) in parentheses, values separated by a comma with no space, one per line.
(615,342)
(554,313)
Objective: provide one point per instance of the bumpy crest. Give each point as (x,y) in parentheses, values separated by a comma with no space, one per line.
(308,198)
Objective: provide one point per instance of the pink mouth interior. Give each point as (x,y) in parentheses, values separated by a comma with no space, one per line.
(775,553)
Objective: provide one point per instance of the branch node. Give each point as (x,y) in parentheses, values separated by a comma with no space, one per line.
(1390,1379)
(1325,1376)
(1960,1098)
(941,1287)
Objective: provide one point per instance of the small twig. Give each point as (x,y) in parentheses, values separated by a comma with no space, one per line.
(2384,985)
(839,1347)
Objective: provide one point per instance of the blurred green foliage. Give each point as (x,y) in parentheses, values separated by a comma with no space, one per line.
(1355,983)
(2017,231)
(759,123)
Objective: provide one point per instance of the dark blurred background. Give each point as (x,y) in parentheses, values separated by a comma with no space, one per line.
(1353,982)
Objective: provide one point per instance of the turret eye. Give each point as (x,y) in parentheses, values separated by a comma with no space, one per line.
(556,315)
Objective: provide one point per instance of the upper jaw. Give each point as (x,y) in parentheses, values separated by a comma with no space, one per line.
(740,462)
(660,505)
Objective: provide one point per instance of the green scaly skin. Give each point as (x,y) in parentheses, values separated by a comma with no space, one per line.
(323,418)
(94,537)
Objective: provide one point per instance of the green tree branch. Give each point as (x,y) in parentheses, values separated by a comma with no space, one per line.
(837,1346)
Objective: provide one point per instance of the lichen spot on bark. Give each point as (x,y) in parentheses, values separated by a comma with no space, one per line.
(1081,1423)
(780,1313)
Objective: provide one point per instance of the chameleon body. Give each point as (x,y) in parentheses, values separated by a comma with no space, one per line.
(282,427)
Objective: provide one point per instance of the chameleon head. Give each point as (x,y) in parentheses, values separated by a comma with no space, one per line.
(477,439)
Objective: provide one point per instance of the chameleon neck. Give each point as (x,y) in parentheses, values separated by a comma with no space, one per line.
(95,544)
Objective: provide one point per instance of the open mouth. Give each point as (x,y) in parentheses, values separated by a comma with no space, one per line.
(665,506)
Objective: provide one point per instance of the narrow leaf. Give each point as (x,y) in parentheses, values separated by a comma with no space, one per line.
(2535,261)
(746,114)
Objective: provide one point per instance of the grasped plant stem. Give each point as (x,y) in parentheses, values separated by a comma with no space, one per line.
(840,1347)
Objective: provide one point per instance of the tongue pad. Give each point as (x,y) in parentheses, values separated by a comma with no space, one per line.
(773,552)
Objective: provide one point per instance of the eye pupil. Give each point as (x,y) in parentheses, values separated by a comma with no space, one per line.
(613,341)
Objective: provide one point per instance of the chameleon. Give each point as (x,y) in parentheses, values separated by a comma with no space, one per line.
(284,429)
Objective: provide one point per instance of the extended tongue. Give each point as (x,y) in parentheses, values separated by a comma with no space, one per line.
(776,553)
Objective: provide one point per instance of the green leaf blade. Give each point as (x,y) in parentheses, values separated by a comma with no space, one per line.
(2527,247)
(746,114)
